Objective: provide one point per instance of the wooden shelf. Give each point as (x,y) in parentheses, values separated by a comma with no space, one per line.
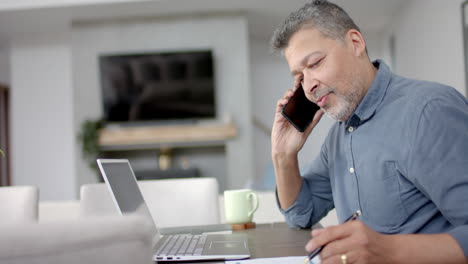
(129,138)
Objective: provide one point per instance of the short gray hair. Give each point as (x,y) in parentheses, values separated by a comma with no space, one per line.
(328,18)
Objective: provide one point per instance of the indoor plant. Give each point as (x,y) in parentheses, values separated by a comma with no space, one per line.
(89,138)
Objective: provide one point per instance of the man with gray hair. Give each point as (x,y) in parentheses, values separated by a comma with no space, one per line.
(397,153)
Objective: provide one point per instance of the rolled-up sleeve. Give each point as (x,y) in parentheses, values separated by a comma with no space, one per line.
(315,198)
(439,160)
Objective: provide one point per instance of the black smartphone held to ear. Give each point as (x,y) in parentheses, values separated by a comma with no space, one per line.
(299,111)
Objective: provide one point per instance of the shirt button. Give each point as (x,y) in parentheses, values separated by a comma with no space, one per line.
(350,129)
(351,170)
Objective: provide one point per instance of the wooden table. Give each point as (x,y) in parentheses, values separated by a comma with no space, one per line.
(274,240)
(277,240)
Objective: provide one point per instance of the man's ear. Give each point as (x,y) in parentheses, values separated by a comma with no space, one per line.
(357,42)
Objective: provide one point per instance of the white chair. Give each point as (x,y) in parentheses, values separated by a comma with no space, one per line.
(59,210)
(173,202)
(19,204)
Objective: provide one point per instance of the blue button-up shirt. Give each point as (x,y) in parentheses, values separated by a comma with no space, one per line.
(401,158)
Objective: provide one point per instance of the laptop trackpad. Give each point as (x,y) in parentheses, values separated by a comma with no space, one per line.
(226,246)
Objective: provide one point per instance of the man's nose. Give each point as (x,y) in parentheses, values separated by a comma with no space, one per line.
(309,85)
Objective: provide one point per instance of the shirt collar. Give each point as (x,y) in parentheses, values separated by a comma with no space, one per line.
(373,97)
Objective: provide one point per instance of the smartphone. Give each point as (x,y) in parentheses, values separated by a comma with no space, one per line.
(299,111)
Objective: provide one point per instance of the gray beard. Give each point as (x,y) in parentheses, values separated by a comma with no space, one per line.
(345,105)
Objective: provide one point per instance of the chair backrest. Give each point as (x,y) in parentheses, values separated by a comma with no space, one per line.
(19,203)
(58,210)
(173,202)
(267,211)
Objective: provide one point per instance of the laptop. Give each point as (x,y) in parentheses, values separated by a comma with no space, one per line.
(121,181)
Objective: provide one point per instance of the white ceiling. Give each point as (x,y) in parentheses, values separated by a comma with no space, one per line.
(19,16)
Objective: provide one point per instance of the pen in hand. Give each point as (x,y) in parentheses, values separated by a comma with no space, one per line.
(317,251)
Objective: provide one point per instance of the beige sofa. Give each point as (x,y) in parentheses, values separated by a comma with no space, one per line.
(72,240)
(116,239)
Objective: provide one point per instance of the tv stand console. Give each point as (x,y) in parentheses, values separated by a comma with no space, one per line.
(172,151)
(170,136)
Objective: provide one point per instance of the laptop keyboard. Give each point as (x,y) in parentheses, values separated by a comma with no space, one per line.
(182,245)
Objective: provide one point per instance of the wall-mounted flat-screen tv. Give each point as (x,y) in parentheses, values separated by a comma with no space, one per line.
(157,86)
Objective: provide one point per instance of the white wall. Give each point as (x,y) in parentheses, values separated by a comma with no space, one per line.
(226,36)
(270,80)
(374,43)
(429,44)
(41,115)
(4,62)
(44,148)
(428,38)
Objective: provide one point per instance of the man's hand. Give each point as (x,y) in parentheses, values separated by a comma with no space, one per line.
(286,142)
(361,244)
(354,239)
(285,138)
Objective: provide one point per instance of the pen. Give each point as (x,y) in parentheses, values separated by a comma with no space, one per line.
(318,250)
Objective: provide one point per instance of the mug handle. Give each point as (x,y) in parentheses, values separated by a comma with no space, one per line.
(254,198)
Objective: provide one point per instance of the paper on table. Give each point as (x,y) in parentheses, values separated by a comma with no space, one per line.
(283,260)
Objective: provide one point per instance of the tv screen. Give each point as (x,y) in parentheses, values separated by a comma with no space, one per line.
(157,86)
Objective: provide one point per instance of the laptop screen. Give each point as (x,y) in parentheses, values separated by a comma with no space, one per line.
(122,183)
